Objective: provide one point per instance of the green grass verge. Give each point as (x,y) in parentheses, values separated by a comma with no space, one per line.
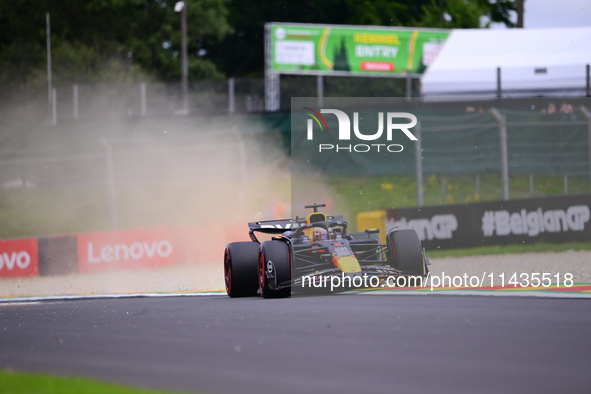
(373,193)
(27,383)
(42,211)
(525,248)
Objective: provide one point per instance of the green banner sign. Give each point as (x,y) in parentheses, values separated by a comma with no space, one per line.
(329,49)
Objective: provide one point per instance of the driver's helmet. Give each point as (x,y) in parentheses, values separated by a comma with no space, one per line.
(320,235)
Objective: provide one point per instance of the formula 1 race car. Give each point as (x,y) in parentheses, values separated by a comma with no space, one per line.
(318,252)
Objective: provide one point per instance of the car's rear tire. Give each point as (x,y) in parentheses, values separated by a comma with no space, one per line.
(240,269)
(405,253)
(276,252)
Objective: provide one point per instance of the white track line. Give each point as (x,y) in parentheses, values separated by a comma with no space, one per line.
(106,296)
(542,294)
(533,293)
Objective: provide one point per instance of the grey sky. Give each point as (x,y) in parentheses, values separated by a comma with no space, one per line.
(556,13)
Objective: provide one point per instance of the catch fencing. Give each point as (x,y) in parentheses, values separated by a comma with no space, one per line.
(479,144)
(87,175)
(506,142)
(101,101)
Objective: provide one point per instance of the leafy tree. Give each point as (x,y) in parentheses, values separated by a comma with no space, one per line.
(115,40)
(126,40)
(467,14)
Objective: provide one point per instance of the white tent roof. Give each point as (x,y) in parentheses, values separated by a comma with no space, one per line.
(533,62)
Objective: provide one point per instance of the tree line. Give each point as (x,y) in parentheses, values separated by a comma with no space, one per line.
(131,40)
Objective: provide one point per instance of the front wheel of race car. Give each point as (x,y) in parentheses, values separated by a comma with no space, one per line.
(240,269)
(406,253)
(274,269)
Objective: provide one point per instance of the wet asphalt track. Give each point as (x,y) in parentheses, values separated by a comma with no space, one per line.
(345,343)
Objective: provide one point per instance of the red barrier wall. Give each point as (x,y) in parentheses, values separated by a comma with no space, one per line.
(19,257)
(125,249)
(119,249)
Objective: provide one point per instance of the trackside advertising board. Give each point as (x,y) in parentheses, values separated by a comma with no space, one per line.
(544,219)
(362,50)
(125,249)
(136,248)
(18,257)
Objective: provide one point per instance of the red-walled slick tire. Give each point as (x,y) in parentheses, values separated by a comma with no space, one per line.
(406,253)
(276,252)
(240,269)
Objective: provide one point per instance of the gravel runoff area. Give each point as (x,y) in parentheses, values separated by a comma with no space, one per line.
(577,263)
(177,278)
(196,277)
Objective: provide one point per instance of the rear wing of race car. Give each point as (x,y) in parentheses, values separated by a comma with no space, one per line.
(270,227)
(279,226)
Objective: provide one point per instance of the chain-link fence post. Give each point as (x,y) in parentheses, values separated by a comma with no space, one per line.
(75,102)
(408,85)
(244,192)
(110,183)
(320,90)
(587,116)
(503,145)
(143,103)
(499,87)
(588,80)
(231,96)
(53,106)
(419,164)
